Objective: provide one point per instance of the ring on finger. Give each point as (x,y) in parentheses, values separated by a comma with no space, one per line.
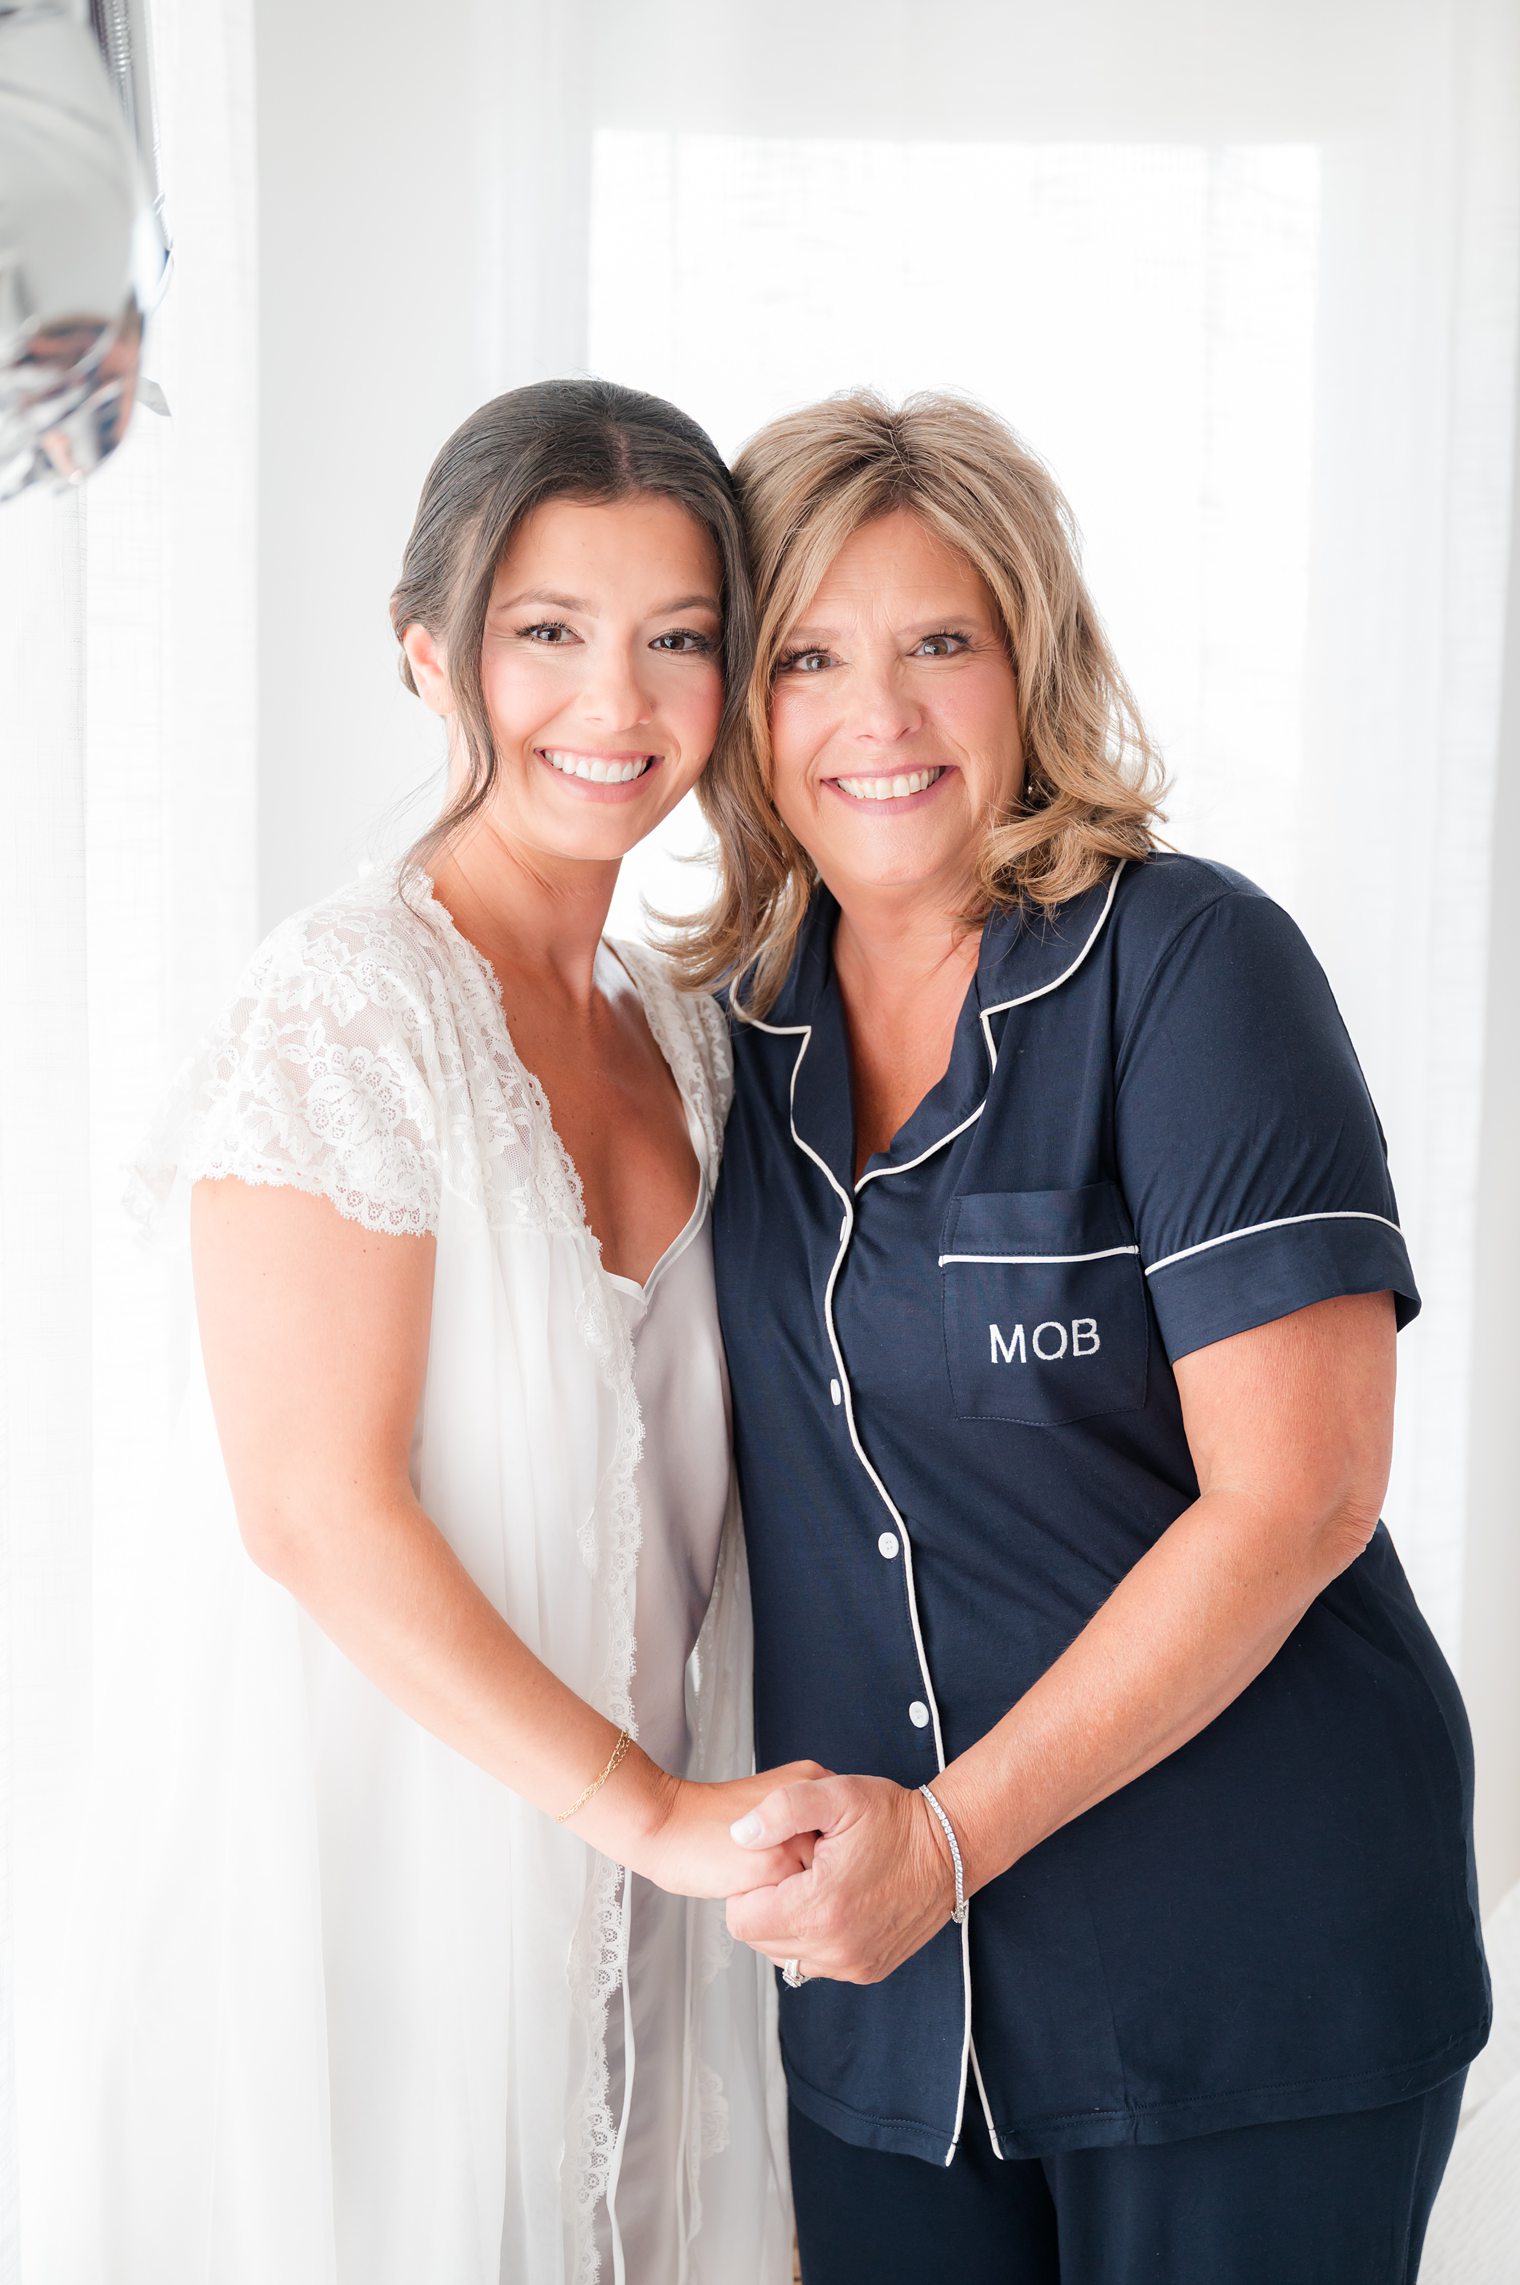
(794,1975)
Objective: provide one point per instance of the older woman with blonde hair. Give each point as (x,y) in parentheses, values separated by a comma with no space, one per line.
(1059,1272)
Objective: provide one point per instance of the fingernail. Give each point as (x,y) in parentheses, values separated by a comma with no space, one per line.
(746,1828)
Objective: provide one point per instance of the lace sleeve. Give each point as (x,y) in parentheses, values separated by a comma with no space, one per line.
(318,1076)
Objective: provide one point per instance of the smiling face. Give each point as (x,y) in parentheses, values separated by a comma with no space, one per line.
(894,718)
(600,671)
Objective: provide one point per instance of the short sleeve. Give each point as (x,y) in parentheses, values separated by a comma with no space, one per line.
(315,1077)
(1248,1146)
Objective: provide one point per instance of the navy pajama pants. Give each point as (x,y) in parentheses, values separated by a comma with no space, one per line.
(1313,2201)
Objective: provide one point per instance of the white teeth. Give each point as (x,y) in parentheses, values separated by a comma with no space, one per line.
(593,771)
(887,789)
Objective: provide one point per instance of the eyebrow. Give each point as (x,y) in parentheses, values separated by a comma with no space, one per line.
(578,603)
(930,625)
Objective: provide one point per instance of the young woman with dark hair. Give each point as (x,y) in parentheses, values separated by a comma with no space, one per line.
(414,1969)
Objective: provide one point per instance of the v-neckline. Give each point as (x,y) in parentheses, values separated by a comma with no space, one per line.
(487,975)
(689,1227)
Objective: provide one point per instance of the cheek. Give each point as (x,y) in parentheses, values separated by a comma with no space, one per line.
(520,693)
(980,712)
(797,732)
(697,709)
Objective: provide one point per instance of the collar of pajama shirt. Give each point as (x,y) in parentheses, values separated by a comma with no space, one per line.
(957,1428)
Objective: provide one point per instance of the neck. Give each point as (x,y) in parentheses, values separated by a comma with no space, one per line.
(892,949)
(534,917)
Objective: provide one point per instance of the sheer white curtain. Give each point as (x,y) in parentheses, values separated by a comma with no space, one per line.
(127,888)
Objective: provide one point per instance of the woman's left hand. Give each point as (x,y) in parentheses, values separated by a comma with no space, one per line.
(880,1884)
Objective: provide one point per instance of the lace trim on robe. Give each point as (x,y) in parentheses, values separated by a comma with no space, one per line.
(365,1058)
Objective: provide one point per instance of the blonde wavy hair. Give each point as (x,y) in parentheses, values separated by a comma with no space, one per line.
(1093,779)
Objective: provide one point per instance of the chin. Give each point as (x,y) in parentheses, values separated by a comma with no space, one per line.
(592,848)
(910,869)
(603,840)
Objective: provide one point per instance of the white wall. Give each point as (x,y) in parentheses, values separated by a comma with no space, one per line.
(417,225)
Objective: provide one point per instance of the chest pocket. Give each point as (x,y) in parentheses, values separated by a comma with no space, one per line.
(1045,1311)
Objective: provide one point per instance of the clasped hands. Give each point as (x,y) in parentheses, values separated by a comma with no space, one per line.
(874,1878)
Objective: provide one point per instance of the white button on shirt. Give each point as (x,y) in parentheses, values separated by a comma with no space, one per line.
(888,1543)
(836,1392)
(918,1714)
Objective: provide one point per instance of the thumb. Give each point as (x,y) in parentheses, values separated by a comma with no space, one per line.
(805,1807)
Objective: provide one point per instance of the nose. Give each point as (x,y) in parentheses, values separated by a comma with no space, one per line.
(883,709)
(615,695)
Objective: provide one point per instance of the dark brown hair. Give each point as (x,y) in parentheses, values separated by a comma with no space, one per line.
(554,440)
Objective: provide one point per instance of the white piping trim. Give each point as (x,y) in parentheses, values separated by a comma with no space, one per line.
(1105,1253)
(1066,973)
(968,2052)
(1285,1222)
(1001,1007)
(981,2088)
(805,1032)
(876,1172)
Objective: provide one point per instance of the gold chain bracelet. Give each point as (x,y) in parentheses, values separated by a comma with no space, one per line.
(618,1751)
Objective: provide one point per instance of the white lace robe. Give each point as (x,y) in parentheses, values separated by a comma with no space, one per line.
(341,2017)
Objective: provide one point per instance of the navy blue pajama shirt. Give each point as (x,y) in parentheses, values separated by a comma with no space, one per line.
(957,1429)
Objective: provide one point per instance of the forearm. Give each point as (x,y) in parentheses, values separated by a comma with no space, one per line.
(1289,1426)
(316,1337)
(1196,1620)
(384,1585)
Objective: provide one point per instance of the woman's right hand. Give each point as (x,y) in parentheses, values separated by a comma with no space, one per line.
(691,1852)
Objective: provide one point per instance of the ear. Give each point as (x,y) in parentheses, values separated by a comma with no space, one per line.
(429,670)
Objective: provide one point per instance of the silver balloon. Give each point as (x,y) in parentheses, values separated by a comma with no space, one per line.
(83,251)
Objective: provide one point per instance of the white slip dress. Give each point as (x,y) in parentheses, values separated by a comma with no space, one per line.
(683,1486)
(342,2010)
